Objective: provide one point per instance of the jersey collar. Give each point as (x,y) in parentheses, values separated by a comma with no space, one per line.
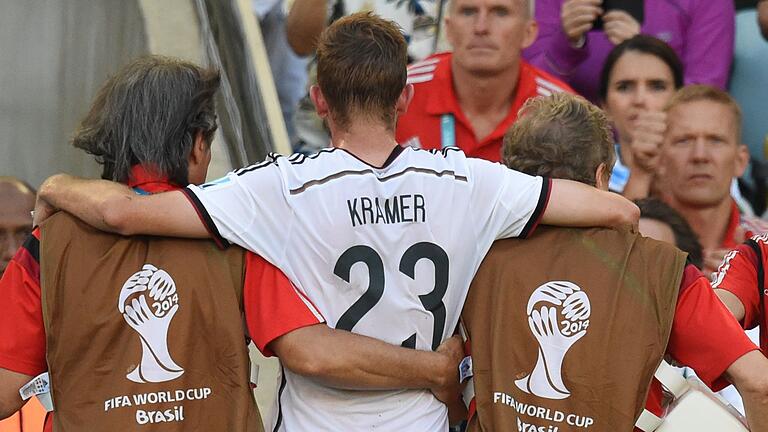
(734,222)
(396,151)
(145,181)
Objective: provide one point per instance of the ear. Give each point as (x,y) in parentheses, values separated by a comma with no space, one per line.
(405,99)
(321,105)
(602,177)
(742,160)
(449,23)
(200,150)
(531,33)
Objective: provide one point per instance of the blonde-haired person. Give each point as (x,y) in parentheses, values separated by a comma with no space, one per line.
(636,301)
(701,154)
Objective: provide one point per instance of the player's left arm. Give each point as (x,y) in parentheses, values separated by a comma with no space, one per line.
(114,207)
(342,359)
(576,204)
(10,399)
(517,202)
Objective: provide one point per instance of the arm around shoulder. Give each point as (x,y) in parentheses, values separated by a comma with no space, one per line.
(114,207)
(578,205)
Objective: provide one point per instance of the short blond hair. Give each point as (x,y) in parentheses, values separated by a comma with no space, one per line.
(560,136)
(700,92)
(530,3)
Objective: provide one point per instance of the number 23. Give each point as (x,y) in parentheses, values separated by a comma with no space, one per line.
(432,301)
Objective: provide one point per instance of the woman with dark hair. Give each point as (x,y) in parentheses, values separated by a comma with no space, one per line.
(639,77)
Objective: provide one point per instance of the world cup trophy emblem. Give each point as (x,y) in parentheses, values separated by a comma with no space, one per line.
(558,316)
(148,302)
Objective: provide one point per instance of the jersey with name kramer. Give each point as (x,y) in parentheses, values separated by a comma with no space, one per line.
(388,252)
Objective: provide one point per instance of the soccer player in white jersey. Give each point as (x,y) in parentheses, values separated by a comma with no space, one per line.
(384,240)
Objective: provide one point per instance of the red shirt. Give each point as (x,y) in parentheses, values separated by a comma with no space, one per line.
(738,275)
(434,104)
(273,307)
(741,228)
(704,336)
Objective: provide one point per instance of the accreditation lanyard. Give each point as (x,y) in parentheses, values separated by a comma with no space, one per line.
(447,131)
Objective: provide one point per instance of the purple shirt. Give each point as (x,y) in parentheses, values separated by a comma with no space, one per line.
(700,31)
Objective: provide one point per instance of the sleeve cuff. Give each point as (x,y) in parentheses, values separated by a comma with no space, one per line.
(205,218)
(538,212)
(14,364)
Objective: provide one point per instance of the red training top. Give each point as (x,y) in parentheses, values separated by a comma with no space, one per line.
(704,336)
(435,118)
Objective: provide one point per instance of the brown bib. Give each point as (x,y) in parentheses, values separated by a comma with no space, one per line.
(568,327)
(144,333)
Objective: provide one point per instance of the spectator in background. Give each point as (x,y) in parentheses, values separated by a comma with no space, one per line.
(661,222)
(289,69)
(307,18)
(18,199)
(701,154)
(700,31)
(470,97)
(638,78)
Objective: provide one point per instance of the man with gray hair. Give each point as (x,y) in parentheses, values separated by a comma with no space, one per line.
(592,312)
(468,98)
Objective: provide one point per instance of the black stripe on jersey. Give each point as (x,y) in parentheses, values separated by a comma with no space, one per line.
(205,218)
(272,158)
(441,151)
(269,160)
(341,174)
(32,245)
(279,402)
(538,212)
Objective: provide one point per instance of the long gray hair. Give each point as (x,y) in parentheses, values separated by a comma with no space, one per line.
(148,114)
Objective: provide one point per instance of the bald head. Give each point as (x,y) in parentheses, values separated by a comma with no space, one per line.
(17,200)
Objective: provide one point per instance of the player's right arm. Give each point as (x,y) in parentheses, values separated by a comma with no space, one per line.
(114,207)
(578,205)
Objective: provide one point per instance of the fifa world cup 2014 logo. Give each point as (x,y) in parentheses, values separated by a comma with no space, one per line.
(558,315)
(148,302)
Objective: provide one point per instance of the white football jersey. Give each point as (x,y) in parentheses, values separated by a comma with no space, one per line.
(388,252)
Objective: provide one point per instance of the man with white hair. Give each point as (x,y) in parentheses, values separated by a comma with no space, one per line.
(469,97)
